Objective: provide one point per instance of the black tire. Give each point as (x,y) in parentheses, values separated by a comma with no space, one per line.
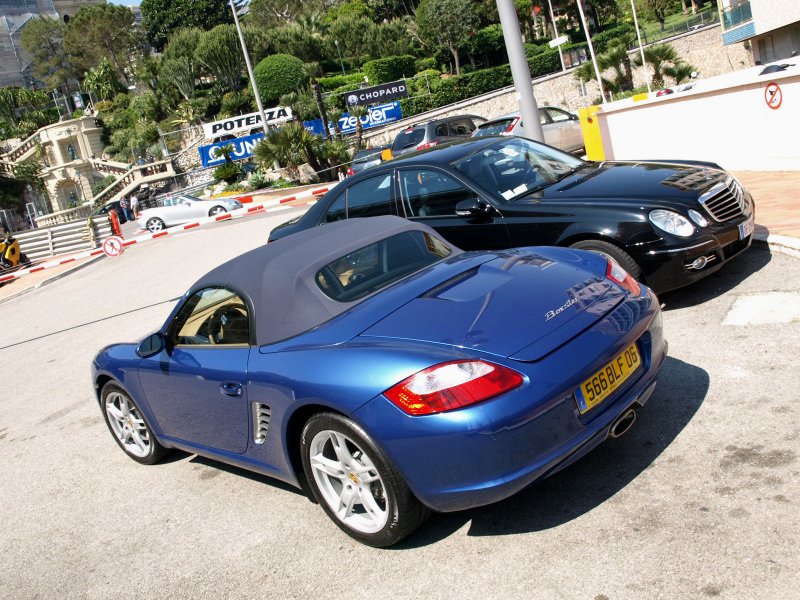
(154,224)
(402,512)
(151,451)
(216,210)
(611,251)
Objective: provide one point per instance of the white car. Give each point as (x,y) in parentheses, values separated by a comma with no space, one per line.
(561,129)
(181,209)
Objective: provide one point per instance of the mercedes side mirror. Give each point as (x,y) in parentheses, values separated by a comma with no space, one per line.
(472,208)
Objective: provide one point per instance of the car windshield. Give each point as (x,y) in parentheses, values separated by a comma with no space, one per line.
(515,167)
(380,264)
(409,137)
(494,128)
(365,155)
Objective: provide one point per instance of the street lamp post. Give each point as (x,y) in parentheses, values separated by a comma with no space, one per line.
(641,49)
(55,101)
(341,62)
(555,34)
(591,51)
(256,93)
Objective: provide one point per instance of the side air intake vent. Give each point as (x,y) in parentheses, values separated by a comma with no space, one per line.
(261,416)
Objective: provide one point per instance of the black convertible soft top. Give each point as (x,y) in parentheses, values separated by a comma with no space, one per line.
(279,278)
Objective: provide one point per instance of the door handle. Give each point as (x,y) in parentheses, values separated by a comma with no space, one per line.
(234,390)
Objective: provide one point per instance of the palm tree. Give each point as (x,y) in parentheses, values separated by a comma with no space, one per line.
(335,113)
(680,71)
(358,112)
(658,56)
(312,70)
(616,57)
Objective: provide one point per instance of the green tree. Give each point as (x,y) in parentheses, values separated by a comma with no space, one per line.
(279,74)
(658,56)
(102,81)
(161,18)
(269,14)
(183,43)
(656,10)
(679,71)
(220,53)
(358,112)
(438,27)
(43,39)
(179,72)
(104,31)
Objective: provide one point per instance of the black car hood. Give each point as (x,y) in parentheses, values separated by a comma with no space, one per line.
(634,182)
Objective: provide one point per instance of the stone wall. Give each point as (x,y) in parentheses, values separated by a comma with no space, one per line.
(702,49)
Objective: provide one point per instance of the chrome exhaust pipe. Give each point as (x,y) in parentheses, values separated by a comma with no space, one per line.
(621,426)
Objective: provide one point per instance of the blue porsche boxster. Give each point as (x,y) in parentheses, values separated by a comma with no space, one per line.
(389,373)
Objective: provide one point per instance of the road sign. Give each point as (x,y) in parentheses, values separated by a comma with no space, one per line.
(113,246)
(773,96)
(558,41)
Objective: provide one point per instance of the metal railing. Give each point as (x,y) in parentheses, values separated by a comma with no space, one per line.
(84,234)
(733,16)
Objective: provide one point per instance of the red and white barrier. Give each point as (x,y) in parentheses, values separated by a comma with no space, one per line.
(269,206)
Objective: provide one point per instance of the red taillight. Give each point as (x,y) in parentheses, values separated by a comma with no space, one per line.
(513,124)
(452,385)
(619,275)
(426,145)
(350,171)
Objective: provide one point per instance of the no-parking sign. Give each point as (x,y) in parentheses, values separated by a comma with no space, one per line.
(113,246)
(773,95)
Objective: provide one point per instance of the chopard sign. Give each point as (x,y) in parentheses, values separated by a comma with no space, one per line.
(279,114)
(378,93)
(554,313)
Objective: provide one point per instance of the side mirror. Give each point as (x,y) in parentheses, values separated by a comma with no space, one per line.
(151,345)
(472,208)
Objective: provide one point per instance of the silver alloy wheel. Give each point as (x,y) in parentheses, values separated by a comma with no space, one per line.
(348,482)
(127,424)
(155,224)
(217,210)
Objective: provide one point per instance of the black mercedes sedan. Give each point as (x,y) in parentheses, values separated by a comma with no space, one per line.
(669,223)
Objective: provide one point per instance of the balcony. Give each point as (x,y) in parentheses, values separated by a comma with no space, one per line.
(733,16)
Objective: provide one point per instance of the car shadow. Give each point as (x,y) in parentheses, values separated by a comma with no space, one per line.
(728,277)
(251,475)
(578,489)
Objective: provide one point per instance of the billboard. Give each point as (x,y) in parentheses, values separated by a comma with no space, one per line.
(242,148)
(377,116)
(276,115)
(377,93)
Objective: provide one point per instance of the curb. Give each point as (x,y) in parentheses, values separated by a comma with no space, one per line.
(78,267)
(781,244)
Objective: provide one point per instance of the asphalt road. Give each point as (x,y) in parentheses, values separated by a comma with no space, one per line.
(698,500)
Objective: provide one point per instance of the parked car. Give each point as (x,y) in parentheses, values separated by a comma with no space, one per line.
(432,387)
(668,223)
(561,129)
(426,135)
(107,208)
(182,209)
(364,159)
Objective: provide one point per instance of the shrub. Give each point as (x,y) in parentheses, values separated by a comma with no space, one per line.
(532,50)
(100,184)
(227,172)
(279,74)
(328,84)
(544,63)
(601,40)
(391,68)
(423,64)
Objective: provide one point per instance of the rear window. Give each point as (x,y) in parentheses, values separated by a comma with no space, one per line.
(365,155)
(380,264)
(408,138)
(493,128)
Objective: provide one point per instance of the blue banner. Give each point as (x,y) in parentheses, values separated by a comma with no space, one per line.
(377,116)
(242,148)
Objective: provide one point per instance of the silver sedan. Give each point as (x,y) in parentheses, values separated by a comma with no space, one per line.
(561,129)
(181,209)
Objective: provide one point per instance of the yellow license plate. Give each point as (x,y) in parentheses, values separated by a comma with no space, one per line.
(603,383)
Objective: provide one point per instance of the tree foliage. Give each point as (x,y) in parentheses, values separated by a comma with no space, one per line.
(102,81)
(43,38)
(279,74)
(104,31)
(161,18)
(438,27)
(268,14)
(220,53)
(179,72)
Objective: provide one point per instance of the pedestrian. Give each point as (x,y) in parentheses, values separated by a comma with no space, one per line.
(135,206)
(125,205)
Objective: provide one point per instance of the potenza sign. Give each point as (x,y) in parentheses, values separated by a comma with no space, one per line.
(276,115)
(378,93)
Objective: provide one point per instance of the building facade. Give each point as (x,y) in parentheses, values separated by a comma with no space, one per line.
(770,27)
(14,15)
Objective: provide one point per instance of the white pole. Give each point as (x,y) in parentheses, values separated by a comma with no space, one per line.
(591,51)
(641,49)
(256,93)
(555,35)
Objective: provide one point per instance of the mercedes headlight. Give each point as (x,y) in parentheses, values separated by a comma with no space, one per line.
(671,222)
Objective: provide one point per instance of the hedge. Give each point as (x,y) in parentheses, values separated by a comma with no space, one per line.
(352,80)
(278,74)
(391,68)
(600,40)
